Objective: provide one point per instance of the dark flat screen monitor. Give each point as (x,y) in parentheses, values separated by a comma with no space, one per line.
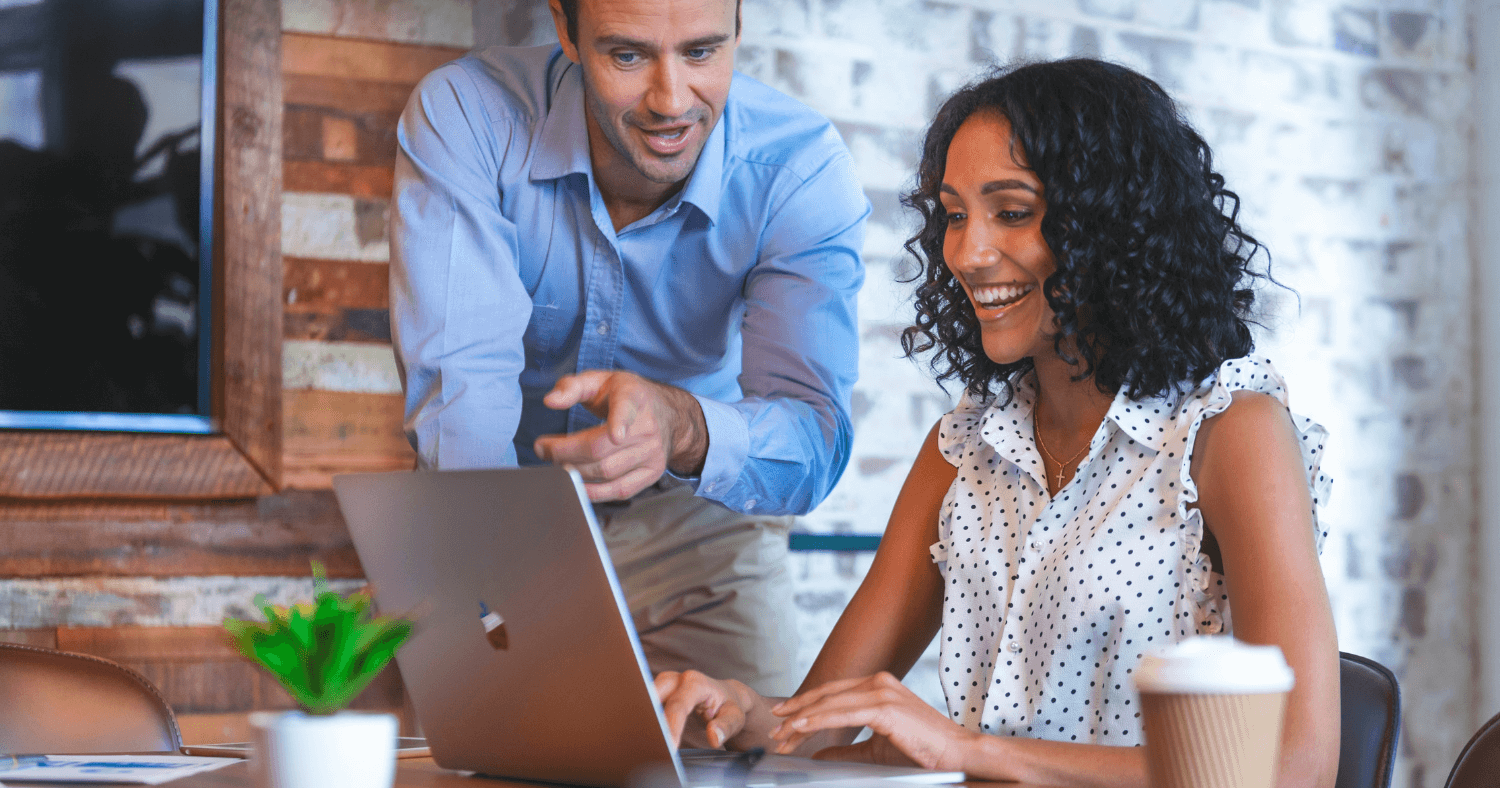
(106,213)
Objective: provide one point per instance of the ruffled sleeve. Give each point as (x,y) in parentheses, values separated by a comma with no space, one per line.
(958,430)
(1211,398)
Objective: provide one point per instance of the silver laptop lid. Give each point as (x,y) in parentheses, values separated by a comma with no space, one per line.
(523,663)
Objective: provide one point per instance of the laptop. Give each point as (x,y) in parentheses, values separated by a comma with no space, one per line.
(524,662)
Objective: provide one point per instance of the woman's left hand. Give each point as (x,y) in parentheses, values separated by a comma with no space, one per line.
(907,730)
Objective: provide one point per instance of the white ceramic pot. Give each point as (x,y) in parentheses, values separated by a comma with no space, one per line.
(344,750)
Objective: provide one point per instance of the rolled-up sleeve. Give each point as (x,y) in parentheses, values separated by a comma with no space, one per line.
(458,307)
(781,449)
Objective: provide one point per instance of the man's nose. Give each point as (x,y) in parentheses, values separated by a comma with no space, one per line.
(669,95)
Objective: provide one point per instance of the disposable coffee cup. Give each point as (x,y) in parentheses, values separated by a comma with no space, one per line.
(1212,708)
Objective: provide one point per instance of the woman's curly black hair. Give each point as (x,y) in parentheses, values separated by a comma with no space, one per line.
(1152,287)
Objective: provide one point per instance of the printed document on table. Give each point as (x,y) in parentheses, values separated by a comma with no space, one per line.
(129,769)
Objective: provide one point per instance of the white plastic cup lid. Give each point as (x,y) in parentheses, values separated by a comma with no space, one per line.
(1214,665)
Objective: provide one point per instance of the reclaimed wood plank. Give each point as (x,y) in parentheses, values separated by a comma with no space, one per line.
(199,671)
(319,134)
(381,61)
(356,180)
(329,432)
(315,284)
(247,304)
(122,465)
(275,535)
(339,325)
(349,95)
(149,644)
(46,637)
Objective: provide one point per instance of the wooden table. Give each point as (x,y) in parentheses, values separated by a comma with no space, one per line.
(415,773)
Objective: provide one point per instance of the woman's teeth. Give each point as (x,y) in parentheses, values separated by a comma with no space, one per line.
(995,297)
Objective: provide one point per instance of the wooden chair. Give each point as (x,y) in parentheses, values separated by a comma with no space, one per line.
(1370,720)
(1479,761)
(60,702)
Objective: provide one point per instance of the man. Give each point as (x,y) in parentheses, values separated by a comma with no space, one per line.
(620,256)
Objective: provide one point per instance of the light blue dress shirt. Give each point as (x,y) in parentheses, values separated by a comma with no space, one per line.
(507,273)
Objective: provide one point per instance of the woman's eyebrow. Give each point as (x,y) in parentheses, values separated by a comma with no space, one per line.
(995,186)
(1005,185)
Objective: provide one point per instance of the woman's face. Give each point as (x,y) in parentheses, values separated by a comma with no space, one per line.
(993,243)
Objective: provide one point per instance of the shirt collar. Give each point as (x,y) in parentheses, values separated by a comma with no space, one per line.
(1145,420)
(564,148)
(706,185)
(1010,429)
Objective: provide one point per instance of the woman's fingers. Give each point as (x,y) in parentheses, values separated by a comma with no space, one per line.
(795,704)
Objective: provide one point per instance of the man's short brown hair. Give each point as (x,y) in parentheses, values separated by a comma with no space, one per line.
(570,13)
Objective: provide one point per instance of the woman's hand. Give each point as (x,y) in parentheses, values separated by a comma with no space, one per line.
(907,730)
(722,705)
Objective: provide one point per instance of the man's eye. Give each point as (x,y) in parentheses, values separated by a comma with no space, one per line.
(626,58)
(699,53)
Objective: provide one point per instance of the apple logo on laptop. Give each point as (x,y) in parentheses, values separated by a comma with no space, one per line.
(494,628)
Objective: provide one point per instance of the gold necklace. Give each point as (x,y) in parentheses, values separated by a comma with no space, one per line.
(1063,468)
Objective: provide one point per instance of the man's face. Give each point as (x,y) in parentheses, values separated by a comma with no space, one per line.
(656,75)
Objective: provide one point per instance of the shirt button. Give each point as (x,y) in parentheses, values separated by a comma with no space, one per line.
(603,329)
(750,504)
(1013,647)
(1036,547)
(712,486)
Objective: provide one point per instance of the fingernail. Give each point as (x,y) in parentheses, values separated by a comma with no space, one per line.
(775,731)
(799,723)
(778,706)
(715,736)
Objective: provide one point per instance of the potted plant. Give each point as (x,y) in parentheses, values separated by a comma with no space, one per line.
(323,652)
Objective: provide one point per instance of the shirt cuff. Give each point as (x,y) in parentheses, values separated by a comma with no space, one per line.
(728,447)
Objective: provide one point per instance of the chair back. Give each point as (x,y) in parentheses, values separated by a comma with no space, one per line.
(1370,720)
(59,702)
(1479,761)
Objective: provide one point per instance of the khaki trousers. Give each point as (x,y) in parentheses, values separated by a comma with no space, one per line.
(708,588)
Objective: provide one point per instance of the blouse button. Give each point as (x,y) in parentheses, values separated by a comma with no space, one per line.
(1013,647)
(1036,547)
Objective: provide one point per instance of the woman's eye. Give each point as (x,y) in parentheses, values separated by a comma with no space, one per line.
(954,216)
(1014,216)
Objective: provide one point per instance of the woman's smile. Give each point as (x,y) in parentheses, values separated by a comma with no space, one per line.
(998,298)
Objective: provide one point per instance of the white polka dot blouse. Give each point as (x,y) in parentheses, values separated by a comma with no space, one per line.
(1049,603)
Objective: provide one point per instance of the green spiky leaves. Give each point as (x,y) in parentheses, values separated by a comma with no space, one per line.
(325,652)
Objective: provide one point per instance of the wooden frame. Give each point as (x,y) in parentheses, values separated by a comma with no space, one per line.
(244,459)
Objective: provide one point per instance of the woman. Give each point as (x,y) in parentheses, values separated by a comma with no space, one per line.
(1117,476)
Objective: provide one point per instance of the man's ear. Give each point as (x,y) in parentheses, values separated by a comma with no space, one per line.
(560,21)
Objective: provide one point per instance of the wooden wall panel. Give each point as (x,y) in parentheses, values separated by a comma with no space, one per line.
(357,59)
(275,535)
(343,98)
(199,672)
(336,177)
(329,432)
(247,306)
(124,465)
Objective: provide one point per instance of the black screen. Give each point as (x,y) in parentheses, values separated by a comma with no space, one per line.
(103,258)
